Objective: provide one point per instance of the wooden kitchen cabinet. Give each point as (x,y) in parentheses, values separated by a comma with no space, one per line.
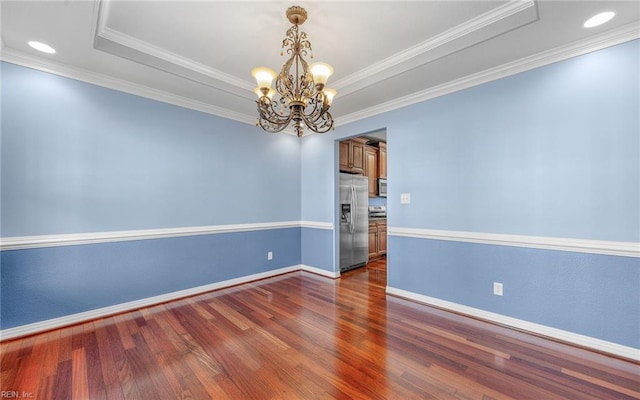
(382,238)
(345,155)
(373,241)
(352,156)
(382,160)
(356,157)
(377,238)
(371,169)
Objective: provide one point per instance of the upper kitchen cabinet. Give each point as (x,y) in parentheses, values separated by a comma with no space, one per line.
(364,156)
(382,160)
(352,156)
(371,169)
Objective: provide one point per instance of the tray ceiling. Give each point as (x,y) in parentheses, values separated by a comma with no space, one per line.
(386,54)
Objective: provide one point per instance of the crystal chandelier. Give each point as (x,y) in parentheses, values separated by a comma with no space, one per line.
(300,96)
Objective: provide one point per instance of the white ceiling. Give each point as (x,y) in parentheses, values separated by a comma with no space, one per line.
(386,54)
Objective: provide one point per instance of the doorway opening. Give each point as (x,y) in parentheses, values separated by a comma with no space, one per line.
(362,208)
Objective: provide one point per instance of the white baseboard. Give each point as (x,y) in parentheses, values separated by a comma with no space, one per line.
(565,336)
(36,327)
(319,271)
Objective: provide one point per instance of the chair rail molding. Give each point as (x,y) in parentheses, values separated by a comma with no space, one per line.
(626,249)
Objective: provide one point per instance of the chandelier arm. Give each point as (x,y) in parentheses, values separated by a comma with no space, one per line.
(320,106)
(270,116)
(319,119)
(274,122)
(274,126)
(325,126)
(272,112)
(264,124)
(280,123)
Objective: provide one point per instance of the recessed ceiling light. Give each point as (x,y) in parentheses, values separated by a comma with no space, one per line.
(45,48)
(599,19)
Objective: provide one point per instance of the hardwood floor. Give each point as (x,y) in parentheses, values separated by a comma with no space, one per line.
(302,336)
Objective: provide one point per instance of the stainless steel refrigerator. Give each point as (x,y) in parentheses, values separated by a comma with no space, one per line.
(354,221)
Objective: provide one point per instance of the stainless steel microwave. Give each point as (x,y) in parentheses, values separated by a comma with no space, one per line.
(382,187)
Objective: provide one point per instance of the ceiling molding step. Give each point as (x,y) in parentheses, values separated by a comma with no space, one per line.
(614,37)
(444,42)
(156,52)
(26,60)
(126,46)
(461,36)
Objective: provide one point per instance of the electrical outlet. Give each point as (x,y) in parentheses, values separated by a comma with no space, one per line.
(497,288)
(270,255)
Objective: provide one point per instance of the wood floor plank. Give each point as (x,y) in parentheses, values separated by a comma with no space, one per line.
(95,376)
(50,361)
(64,380)
(9,360)
(28,374)
(46,388)
(79,381)
(164,363)
(128,381)
(196,390)
(304,336)
(631,392)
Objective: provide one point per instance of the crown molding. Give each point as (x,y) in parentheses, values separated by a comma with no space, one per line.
(351,83)
(611,38)
(26,60)
(126,46)
(123,45)
(175,59)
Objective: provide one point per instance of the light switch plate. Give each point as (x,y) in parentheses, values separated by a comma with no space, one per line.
(498,289)
(405,198)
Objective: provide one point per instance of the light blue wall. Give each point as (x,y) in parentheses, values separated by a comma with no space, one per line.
(317,248)
(549,152)
(45,283)
(81,158)
(78,158)
(317,192)
(594,295)
(552,152)
(318,178)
